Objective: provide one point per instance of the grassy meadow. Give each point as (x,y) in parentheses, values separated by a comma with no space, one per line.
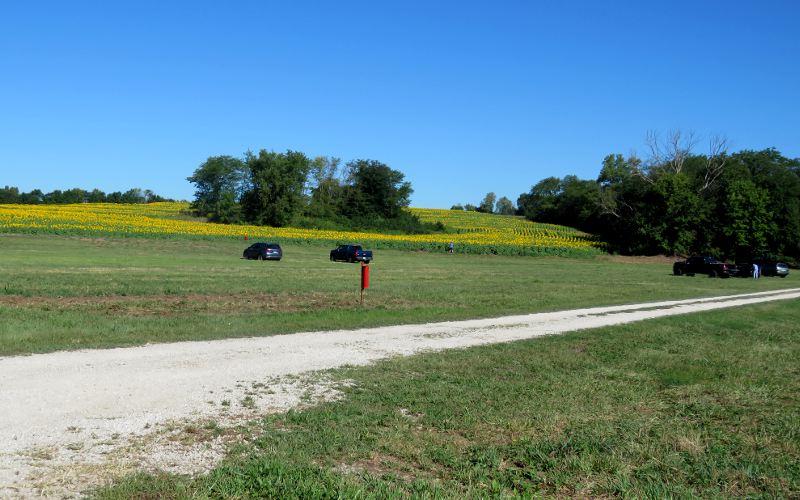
(60,292)
(697,406)
(702,405)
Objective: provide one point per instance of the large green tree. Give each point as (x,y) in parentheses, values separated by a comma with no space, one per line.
(505,206)
(733,206)
(747,221)
(219,184)
(276,182)
(374,189)
(325,187)
(487,203)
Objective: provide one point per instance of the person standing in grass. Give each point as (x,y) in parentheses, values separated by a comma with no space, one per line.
(755,271)
(450,247)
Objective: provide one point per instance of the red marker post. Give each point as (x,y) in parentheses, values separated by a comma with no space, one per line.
(364,280)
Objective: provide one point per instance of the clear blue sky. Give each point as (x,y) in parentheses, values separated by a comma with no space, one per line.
(462,97)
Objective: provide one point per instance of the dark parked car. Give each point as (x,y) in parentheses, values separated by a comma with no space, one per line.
(703,264)
(765,268)
(263,251)
(351,253)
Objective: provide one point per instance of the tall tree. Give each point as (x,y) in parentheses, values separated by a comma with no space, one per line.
(276,186)
(540,203)
(9,194)
(675,214)
(96,196)
(487,204)
(375,189)
(747,221)
(325,187)
(219,183)
(505,206)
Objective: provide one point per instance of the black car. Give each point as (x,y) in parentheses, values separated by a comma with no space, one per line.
(765,268)
(704,264)
(263,251)
(351,253)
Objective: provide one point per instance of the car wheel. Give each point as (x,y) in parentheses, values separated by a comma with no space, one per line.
(260,257)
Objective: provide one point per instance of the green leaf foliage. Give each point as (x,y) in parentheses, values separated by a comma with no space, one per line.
(737,206)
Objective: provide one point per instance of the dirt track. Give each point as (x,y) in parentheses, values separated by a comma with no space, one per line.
(73,419)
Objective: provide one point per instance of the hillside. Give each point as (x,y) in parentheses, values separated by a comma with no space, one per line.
(471,232)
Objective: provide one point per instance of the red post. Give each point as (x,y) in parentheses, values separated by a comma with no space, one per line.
(364,276)
(245,236)
(364,279)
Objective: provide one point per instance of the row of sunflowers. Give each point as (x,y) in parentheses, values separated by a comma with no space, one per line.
(470,232)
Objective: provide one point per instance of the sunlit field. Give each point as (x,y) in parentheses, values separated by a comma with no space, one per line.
(471,232)
(703,405)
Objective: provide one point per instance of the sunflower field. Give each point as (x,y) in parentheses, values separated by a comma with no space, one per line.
(470,232)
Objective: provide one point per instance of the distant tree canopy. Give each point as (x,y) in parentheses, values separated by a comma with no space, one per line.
(10,194)
(275,187)
(374,189)
(734,206)
(489,205)
(219,184)
(278,189)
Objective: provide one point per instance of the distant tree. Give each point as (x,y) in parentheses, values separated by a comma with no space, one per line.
(95,196)
(374,188)
(9,194)
(276,186)
(470,207)
(505,206)
(676,215)
(487,204)
(325,187)
(74,195)
(219,184)
(457,207)
(54,196)
(133,195)
(540,203)
(34,197)
(747,221)
(780,178)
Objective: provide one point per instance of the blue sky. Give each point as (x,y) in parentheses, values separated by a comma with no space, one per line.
(462,97)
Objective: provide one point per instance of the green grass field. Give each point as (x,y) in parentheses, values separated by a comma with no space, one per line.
(698,406)
(61,292)
(702,405)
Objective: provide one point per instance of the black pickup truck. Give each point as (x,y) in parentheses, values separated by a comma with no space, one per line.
(351,253)
(703,264)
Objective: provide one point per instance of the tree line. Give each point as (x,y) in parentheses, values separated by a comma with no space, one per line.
(279,189)
(11,194)
(490,205)
(676,202)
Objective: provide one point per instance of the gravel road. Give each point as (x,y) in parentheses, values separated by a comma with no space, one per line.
(71,420)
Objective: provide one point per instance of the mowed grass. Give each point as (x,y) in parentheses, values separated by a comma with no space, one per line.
(60,292)
(703,405)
